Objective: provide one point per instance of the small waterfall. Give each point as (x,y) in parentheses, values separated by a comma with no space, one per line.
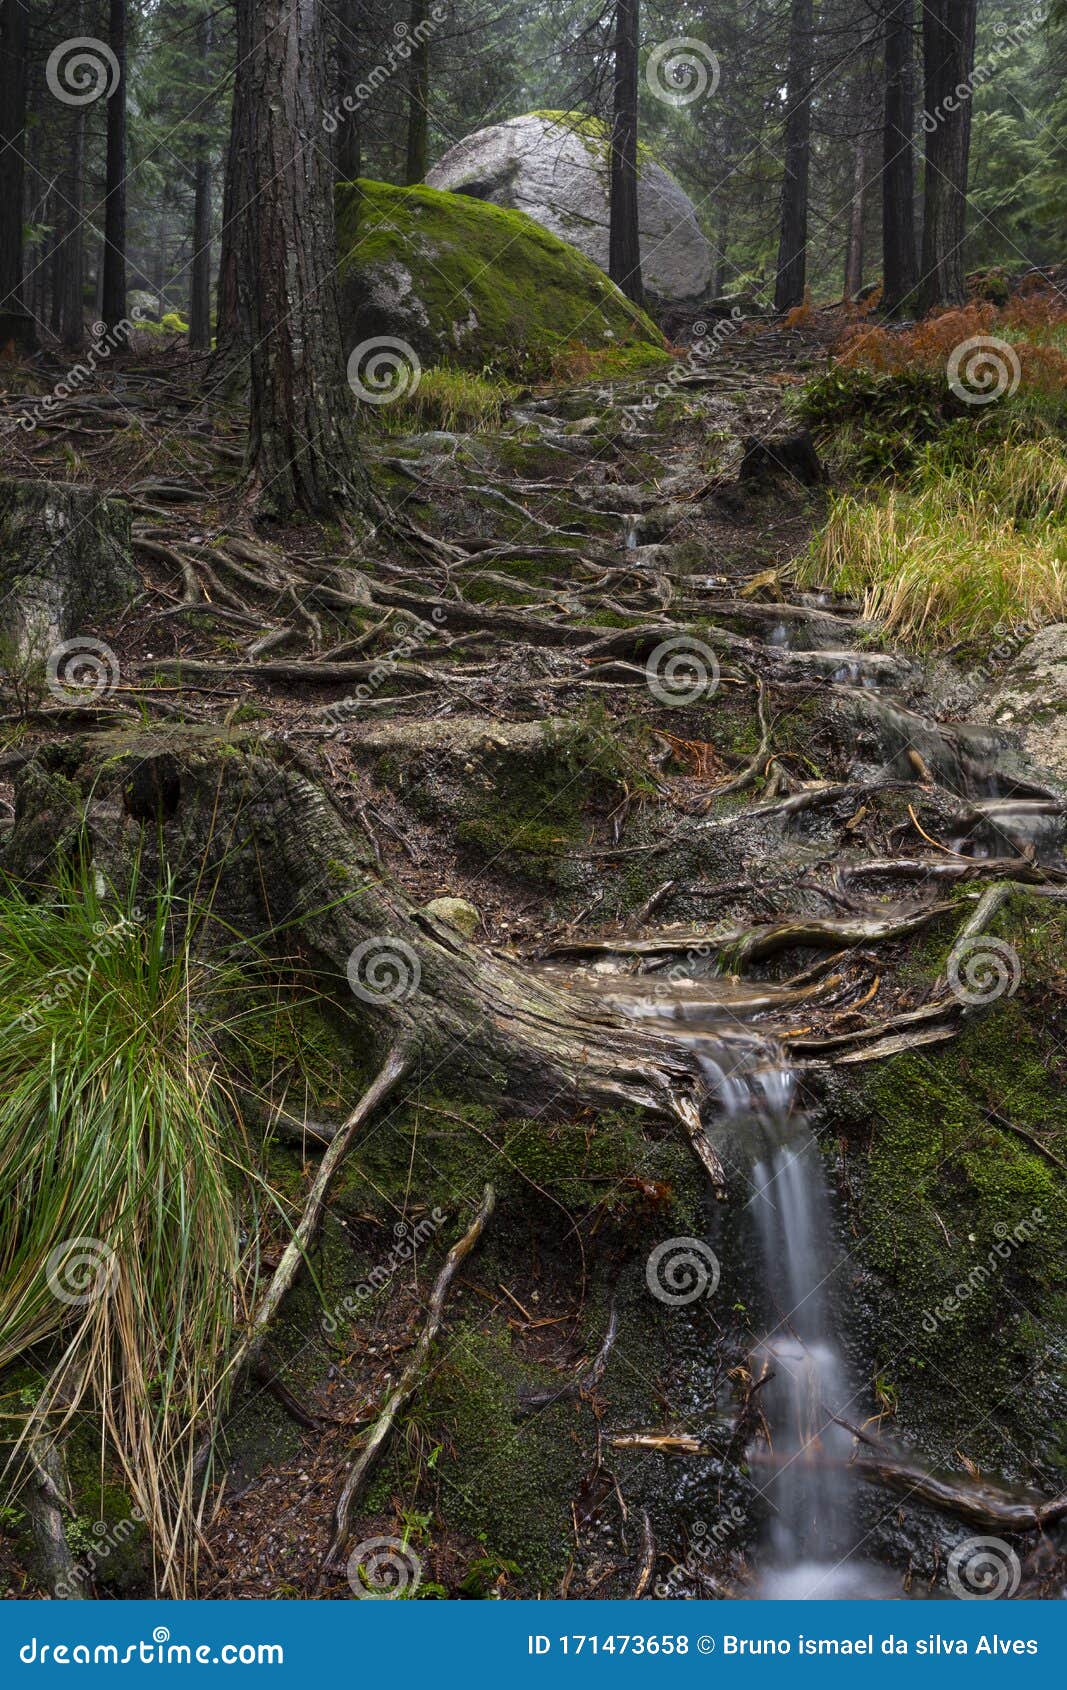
(810,1545)
(811,1532)
(802,1472)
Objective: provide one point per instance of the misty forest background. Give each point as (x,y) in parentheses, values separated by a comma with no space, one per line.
(145,169)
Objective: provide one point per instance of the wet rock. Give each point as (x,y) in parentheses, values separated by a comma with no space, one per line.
(782,455)
(1031,697)
(454,912)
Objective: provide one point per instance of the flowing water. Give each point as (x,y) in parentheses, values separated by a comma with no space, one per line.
(810,1544)
(802,1472)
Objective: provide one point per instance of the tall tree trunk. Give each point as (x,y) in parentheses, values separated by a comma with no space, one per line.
(793,235)
(113,298)
(624,233)
(347,140)
(14,31)
(302,441)
(418,145)
(200,276)
(71,271)
(228,366)
(948,63)
(899,272)
(854,245)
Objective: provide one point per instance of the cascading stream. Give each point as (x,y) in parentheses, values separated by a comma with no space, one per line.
(812,1535)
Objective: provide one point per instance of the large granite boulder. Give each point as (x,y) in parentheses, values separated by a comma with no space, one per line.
(459,282)
(554,166)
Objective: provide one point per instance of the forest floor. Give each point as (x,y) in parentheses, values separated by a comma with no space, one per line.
(570,679)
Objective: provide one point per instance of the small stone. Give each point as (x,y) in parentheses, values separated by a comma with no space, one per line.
(456,912)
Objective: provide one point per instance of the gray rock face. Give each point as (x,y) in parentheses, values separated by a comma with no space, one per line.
(1031,697)
(64,558)
(559,177)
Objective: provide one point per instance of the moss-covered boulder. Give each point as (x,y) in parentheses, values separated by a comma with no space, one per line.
(469,284)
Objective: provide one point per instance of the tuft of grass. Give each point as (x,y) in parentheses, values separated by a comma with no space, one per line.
(967,549)
(124,1186)
(455,400)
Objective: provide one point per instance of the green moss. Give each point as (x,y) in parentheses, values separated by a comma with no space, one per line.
(498,293)
(965,1225)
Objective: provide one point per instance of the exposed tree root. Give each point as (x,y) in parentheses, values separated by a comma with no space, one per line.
(404,1390)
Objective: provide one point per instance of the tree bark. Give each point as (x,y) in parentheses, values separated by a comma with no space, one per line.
(624,234)
(854,245)
(347,141)
(113,295)
(14,32)
(302,452)
(71,257)
(418,138)
(229,364)
(899,271)
(793,235)
(948,63)
(200,280)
